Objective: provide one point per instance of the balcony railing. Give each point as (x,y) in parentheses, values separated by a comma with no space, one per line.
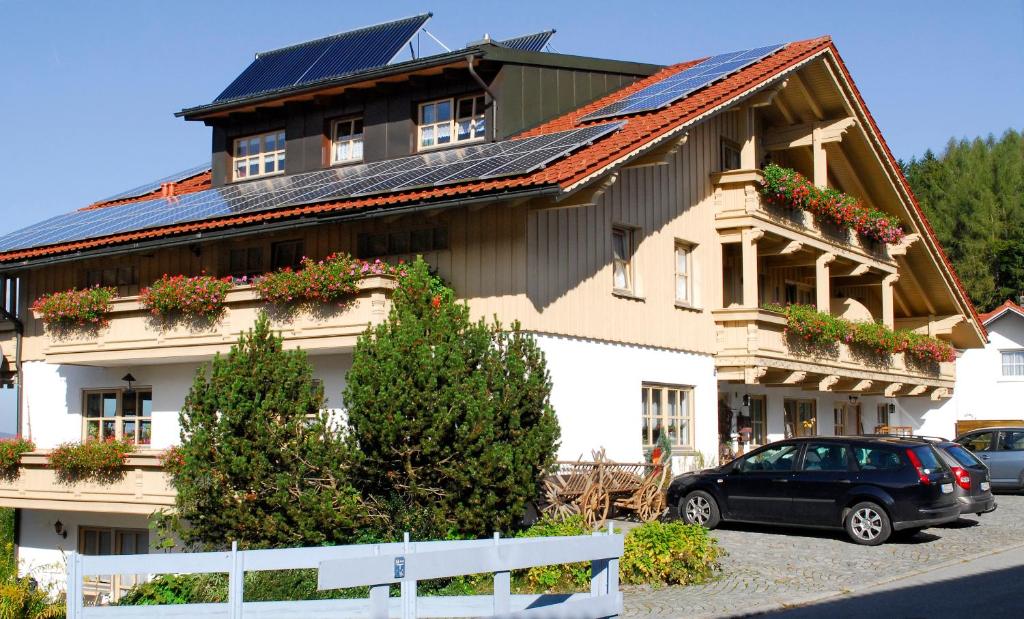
(738,203)
(134,335)
(756,338)
(142,489)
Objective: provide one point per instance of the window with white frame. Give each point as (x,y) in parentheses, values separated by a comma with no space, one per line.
(347,141)
(669,409)
(759,420)
(118,414)
(1013,363)
(622,258)
(684,273)
(259,155)
(451,121)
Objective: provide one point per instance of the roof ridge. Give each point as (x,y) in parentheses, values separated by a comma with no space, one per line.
(337,35)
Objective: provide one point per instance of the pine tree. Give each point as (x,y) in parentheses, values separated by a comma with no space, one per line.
(260,461)
(451,418)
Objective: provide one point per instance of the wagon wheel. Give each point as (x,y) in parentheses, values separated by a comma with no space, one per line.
(650,503)
(557,503)
(594,505)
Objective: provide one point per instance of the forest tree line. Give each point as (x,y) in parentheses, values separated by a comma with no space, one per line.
(973,195)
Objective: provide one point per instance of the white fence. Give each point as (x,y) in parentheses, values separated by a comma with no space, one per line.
(377,566)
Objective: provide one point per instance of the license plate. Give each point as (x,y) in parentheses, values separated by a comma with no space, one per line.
(947,488)
(985,485)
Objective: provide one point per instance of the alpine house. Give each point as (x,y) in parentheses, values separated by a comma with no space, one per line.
(723,251)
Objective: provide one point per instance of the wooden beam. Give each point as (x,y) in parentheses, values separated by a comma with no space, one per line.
(803,135)
(786,248)
(584,196)
(930,325)
(659,156)
(855,270)
(904,245)
(893,390)
(904,269)
(939,393)
(917,390)
(901,302)
(811,103)
(826,383)
(752,376)
(862,386)
(785,111)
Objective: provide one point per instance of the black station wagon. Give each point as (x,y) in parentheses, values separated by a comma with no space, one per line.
(869,486)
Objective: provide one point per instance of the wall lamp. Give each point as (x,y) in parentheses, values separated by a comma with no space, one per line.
(128,378)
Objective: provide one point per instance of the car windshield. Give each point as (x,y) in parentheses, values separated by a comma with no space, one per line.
(963,456)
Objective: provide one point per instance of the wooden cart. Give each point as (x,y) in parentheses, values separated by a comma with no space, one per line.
(592,487)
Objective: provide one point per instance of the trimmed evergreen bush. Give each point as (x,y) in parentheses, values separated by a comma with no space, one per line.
(450,418)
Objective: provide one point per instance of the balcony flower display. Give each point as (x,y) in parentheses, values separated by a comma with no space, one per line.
(197,296)
(824,329)
(11,450)
(90,461)
(790,189)
(329,280)
(84,307)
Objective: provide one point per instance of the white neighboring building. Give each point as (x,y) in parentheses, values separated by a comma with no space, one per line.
(990,380)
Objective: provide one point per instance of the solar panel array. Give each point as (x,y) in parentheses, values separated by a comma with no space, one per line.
(330,57)
(152,186)
(529,42)
(675,87)
(483,161)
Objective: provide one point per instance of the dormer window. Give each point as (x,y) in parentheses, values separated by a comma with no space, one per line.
(259,155)
(347,141)
(451,121)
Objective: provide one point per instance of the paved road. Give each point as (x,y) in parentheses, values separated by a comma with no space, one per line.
(988,586)
(771,568)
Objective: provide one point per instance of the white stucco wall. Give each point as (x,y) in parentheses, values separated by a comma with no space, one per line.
(53,395)
(41,553)
(596,391)
(981,391)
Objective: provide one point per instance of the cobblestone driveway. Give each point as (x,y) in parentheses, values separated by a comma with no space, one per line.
(770,567)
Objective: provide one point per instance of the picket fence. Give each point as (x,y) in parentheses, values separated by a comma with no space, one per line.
(377,566)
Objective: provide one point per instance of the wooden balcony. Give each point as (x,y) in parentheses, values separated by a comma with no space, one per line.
(753,348)
(739,205)
(143,489)
(133,335)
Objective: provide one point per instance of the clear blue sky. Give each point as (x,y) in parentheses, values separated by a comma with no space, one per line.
(89,89)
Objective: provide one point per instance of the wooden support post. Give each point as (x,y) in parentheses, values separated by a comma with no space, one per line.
(749,250)
(888,317)
(821,281)
(748,137)
(820,158)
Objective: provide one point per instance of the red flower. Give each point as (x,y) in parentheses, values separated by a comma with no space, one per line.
(435,302)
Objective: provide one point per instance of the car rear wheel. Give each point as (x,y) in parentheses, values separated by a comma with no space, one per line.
(699,507)
(868,524)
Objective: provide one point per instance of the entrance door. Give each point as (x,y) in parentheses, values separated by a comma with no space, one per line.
(106,589)
(847,419)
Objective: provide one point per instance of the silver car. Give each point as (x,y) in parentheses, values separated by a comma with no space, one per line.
(1002,450)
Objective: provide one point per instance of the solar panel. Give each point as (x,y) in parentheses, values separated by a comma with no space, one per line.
(675,87)
(529,42)
(492,160)
(152,186)
(321,59)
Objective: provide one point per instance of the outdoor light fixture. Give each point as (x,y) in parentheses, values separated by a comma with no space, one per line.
(58,528)
(128,378)
(853,399)
(746,399)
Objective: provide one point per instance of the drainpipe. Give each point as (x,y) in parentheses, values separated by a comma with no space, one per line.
(494,101)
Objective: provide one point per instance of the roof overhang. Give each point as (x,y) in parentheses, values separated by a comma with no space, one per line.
(399,72)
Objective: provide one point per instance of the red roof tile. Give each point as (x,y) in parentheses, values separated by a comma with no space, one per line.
(192,184)
(1008,306)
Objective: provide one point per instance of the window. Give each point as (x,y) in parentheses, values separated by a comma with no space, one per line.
(347,141)
(112,276)
(119,414)
(780,458)
(802,294)
(245,261)
(622,259)
(667,409)
(879,458)
(838,419)
(684,273)
(1013,363)
(259,155)
(982,441)
(801,417)
(758,420)
(1011,440)
(286,254)
(451,121)
(963,456)
(825,457)
(397,242)
(104,541)
(730,155)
